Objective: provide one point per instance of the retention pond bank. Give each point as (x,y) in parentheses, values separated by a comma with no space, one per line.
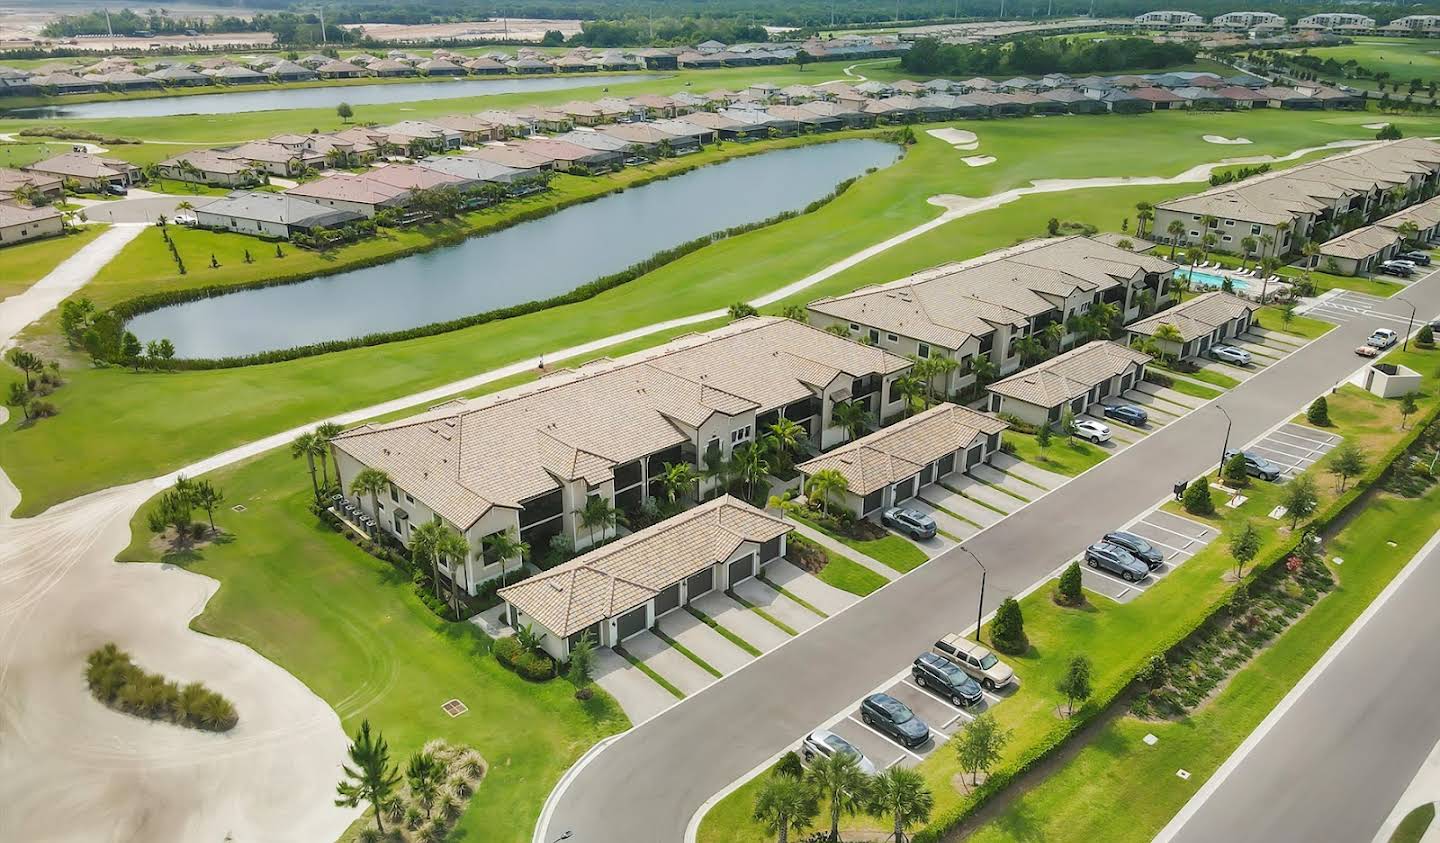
(528,262)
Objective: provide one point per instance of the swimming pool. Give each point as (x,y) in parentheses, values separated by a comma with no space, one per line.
(1202,280)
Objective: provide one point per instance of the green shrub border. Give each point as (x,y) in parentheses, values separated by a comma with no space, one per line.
(531,666)
(1106,695)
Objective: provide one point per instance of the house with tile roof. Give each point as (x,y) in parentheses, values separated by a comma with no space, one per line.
(1076,380)
(1203,321)
(19,223)
(270,214)
(622,589)
(91,172)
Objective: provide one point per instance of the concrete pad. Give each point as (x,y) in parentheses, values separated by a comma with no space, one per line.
(1170,395)
(972,488)
(1161,412)
(962,506)
(1120,433)
(834,546)
(717,650)
(1273,336)
(675,666)
(944,520)
(640,696)
(1008,482)
(1264,352)
(1235,372)
(1020,468)
(750,627)
(808,587)
(777,605)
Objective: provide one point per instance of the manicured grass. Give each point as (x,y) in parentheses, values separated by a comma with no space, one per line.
(732,637)
(1415,824)
(26,263)
(686,652)
(1305,327)
(650,672)
(351,628)
(1219,379)
(1194,389)
(186,188)
(1061,457)
(1403,58)
(848,575)
(22,153)
(889,549)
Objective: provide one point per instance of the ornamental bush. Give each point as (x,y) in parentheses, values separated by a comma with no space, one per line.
(1197,498)
(1236,475)
(1067,590)
(537,667)
(1426,337)
(1319,412)
(1007,631)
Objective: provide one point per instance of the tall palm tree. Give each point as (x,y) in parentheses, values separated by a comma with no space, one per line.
(825,485)
(307,445)
(1145,300)
(454,549)
(1144,213)
(913,389)
(372,778)
(1030,349)
(598,511)
(324,433)
(985,369)
(678,479)
(784,440)
(1247,246)
(1052,335)
(504,546)
(1206,244)
(901,793)
(1105,315)
(1311,251)
(425,542)
(1175,230)
(839,781)
(852,416)
(785,804)
(940,366)
(370,481)
(751,466)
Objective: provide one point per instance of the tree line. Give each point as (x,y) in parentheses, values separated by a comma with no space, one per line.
(1039,56)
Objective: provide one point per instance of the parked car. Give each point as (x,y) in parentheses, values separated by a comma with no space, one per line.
(1230,354)
(912,522)
(1420,258)
(1257,466)
(1092,430)
(1138,547)
(822,743)
(1127,413)
(116,189)
(894,719)
(1383,338)
(1435,324)
(945,678)
(1368,351)
(1117,560)
(1399,270)
(975,659)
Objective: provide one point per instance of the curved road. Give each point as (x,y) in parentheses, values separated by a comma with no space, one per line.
(648,783)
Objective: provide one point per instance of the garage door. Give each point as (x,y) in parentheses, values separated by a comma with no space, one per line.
(972,457)
(700,583)
(1126,381)
(631,622)
(742,569)
(905,489)
(947,464)
(667,599)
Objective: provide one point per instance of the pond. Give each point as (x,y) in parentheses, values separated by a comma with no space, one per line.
(527,262)
(321,97)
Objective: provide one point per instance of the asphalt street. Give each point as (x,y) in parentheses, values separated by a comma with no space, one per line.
(1333,766)
(648,783)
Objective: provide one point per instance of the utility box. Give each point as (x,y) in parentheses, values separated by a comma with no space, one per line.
(1388,380)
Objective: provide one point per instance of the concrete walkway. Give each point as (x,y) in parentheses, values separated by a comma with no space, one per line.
(1171,395)
(1018,467)
(749,626)
(960,505)
(1008,482)
(830,544)
(675,666)
(63,281)
(640,696)
(717,650)
(808,587)
(972,488)
(776,605)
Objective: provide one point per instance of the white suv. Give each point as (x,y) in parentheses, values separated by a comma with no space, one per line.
(1382,338)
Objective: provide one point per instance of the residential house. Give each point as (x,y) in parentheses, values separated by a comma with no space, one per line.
(276,159)
(209,166)
(472,130)
(357,194)
(91,172)
(177,76)
(289,71)
(1277,96)
(472,170)
(19,223)
(440,67)
(569,156)
(124,80)
(485,66)
(337,69)
(234,74)
(17,184)
(1075,380)
(67,83)
(270,214)
(1159,98)
(652,139)
(390,68)
(417,135)
(514,157)
(1201,322)
(508,123)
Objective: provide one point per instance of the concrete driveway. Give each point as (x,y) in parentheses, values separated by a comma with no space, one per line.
(640,696)
(142,209)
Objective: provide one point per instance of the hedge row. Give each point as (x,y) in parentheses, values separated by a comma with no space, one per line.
(536,667)
(945,822)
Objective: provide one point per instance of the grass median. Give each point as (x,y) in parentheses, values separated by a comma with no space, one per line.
(26,263)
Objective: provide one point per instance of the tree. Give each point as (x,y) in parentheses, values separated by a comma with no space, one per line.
(173,510)
(796,312)
(785,804)
(1042,436)
(784,440)
(425,540)
(1144,213)
(131,351)
(751,466)
(912,388)
(1407,408)
(1075,683)
(19,396)
(740,310)
(209,498)
(979,744)
(372,779)
(1319,412)
(985,369)
(1300,499)
(1248,245)
(425,774)
(1068,591)
(1176,229)
(901,793)
(28,364)
(1067,425)
(598,511)
(825,485)
(1426,337)
(1347,461)
(1243,547)
(1197,500)
(801,59)
(582,662)
(1007,630)
(325,432)
(852,416)
(370,481)
(1389,132)
(1236,475)
(306,445)
(677,480)
(344,112)
(503,546)
(838,780)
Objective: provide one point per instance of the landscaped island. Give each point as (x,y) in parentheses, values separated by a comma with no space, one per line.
(119,683)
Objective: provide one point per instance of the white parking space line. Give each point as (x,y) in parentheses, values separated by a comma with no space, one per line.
(1188,539)
(1204,528)
(1275,443)
(1134,585)
(882,736)
(1177,550)
(959,712)
(1313,444)
(1283,459)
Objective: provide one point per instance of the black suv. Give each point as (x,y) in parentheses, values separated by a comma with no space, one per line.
(1138,547)
(894,719)
(946,679)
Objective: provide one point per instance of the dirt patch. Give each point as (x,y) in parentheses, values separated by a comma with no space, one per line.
(1221,139)
(978,160)
(954,136)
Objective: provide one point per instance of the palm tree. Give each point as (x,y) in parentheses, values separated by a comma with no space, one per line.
(1052,335)
(1030,350)
(1144,213)
(1175,230)
(797,312)
(901,793)
(504,546)
(373,778)
(425,541)
(751,466)
(598,512)
(985,369)
(785,804)
(852,416)
(1266,241)
(323,434)
(1247,246)
(1206,244)
(1145,300)
(1311,252)
(784,440)
(839,781)
(912,388)
(1168,333)
(307,445)
(940,366)
(1105,315)
(370,481)
(454,549)
(677,480)
(825,484)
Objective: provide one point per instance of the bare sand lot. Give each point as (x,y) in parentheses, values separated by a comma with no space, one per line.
(514,29)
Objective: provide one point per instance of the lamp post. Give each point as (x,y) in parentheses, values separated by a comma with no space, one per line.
(1220,475)
(980,606)
(565,836)
(1409,326)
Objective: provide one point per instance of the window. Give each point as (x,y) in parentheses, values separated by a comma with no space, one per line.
(1194,234)
(874,336)
(1227,238)
(408,498)
(923,351)
(739,434)
(891,338)
(1230,223)
(854,327)
(1254,229)
(394,493)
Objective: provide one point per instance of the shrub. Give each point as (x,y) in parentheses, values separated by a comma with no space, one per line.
(1426,337)
(1007,631)
(121,684)
(537,667)
(1197,499)
(789,765)
(1319,412)
(1068,589)
(1236,475)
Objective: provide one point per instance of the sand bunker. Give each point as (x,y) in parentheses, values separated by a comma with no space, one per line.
(955,136)
(979,160)
(1373,125)
(1221,139)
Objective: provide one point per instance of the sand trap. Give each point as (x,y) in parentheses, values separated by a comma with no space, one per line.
(1373,125)
(955,136)
(967,147)
(1221,139)
(979,160)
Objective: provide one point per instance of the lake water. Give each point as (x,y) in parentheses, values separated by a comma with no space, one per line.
(323,97)
(528,262)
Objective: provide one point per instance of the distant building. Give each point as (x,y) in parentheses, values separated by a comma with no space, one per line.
(1423,24)
(1248,20)
(1170,19)
(1335,20)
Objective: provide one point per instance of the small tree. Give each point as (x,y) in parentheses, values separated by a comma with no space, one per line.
(1042,436)
(1067,425)
(1243,547)
(901,794)
(1068,591)
(1197,499)
(344,112)
(785,804)
(1347,461)
(1075,683)
(19,396)
(372,778)
(582,665)
(979,744)
(1007,630)
(1236,475)
(1319,412)
(1426,337)
(740,310)
(1301,499)
(206,496)
(1407,408)
(425,774)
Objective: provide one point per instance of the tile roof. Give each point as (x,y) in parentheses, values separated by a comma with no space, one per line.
(21,214)
(345,187)
(82,165)
(1197,317)
(1360,243)
(1069,375)
(276,208)
(901,450)
(624,574)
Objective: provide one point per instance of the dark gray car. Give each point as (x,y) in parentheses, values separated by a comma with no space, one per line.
(894,719)
(1138,547)
(1117,560)
(1257,466)
(911,522)
(946,679)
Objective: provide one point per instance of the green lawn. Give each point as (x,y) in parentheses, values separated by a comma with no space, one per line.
(21,153)
(1061,457)
(1403,58)
(1415,824)
(848,575)
(1194,389)
(1327,281)
(350,628)
(27,263)
(1305,327)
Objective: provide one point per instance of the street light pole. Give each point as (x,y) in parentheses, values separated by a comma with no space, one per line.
(980,607)
(1220,475)
(565,836)
(1409,326)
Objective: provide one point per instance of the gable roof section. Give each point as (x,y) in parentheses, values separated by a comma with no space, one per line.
(1069,375)
(1197,317)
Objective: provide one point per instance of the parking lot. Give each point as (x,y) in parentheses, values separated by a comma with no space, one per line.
(1348,306)
(1295,447)
(1177,538)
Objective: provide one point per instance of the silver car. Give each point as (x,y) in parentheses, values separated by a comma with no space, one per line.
(1230,354)
(823,743)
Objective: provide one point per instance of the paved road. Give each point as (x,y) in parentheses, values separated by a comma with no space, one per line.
(1334,764)
(141,208)
(650,782)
